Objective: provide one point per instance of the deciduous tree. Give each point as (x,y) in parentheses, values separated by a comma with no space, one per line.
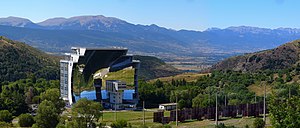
(85,112)
(47,116)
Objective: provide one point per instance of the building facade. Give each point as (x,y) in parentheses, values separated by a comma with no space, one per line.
(66,72)
(167,106)
(65,80)
(115,89)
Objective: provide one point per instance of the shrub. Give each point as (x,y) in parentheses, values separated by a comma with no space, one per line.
(258,123)
(143,126)
(26,120)
(167,126)
(119,124)
(222,125)
(5,116)
(5,125)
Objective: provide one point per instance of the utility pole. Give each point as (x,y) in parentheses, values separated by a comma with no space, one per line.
(102,111)
(115,111)
(225,94)
(225,100)
(265,103)
(144,113)
(102,114)
(255,98)
(176,111)
(217,108)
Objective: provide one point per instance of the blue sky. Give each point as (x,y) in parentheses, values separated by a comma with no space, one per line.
(175,14)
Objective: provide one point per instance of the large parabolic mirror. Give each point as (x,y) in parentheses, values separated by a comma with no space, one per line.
(96,63)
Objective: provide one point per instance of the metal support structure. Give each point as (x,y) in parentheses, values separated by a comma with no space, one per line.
(225,100)
(136,67)
(115,111)
(225,95)
(144,113)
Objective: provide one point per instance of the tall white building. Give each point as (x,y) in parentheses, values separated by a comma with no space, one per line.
(65,80)
(66,69)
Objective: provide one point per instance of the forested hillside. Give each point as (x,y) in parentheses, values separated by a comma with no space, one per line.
(282,57)
(152,67)
(19,61)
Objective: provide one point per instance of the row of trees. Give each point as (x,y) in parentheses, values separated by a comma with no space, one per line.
(17,96)
(230,86)
(284,106)
(85,113)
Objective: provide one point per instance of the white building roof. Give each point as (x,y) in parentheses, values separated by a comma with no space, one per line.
(168,104)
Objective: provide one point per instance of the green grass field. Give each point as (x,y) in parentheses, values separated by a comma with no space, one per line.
(125,75)
(189,77)
(135,118)
(259,90)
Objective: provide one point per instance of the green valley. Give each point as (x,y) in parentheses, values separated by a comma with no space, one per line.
(159,83)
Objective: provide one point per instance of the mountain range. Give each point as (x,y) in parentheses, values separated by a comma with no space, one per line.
(57,35)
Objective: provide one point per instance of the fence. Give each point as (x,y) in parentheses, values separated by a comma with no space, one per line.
(210,112)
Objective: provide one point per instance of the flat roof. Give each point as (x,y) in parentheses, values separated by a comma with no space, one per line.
(115,81)
(168,104)
(100,48)
(106,49)
(65,61)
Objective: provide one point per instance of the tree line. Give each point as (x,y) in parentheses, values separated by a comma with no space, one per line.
(232,89)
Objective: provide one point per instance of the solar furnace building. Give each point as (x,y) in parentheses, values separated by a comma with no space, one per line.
(90,60)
